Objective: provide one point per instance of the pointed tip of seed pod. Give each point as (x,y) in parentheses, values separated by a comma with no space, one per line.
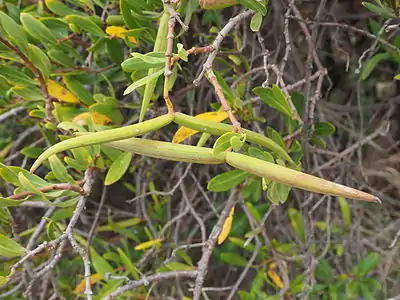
(377,200)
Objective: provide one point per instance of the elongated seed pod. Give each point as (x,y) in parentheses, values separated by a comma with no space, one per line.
(104,137)
(201,155)
(216,4)
(169,151)
(295,178)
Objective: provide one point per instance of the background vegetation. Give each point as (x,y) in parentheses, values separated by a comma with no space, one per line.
(318,78)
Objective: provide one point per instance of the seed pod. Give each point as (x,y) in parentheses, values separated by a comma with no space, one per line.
(216,4)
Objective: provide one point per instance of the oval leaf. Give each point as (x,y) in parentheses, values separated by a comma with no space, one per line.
(10,248)
(118,168)
(223,143)
(275,98)
(226,181)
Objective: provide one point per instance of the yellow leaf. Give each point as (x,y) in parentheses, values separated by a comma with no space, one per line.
(273,275)
(226,228)
(120,32)
(97,118)
(148,244)
(61,93)
(80,288)
(183,132)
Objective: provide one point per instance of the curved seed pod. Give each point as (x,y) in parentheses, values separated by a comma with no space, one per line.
(216,4)
(104,137)
(215,128)
(295,178)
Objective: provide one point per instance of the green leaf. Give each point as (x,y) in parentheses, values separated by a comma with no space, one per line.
(27,185)
(237,143)
(254,5)
(99,263)
(7,202)
(32,152)
(255,22)
(115,50)
(140,63)
(252,191)
(275,98)
(182,254)
(86,24)
(8,175)
(78,89)
(260,154)
(118,168)
(323,272)
(226,181)
(276,137)
(182,53)
(324,129)
(233,259)
(297,222)
(73,163)
(319,142)
(143,81)
(224,142)
(253,211)
(10,248)
(365,293)
(367,264)
(14,76)
(371,64)
(13,32)
(175,266)
(352,289)
(61,58)
(278,192)
(40,60)
(346,212)
(37,29)
(59,8)
(381,11)
(59,170)
(397,77)
(129,264)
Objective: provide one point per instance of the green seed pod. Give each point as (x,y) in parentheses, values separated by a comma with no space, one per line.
(216,4)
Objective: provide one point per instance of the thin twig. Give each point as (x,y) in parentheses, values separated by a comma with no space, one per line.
(148,279)
(210,244)
(49,188)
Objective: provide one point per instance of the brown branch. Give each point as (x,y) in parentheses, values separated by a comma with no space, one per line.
(210,245)
(149,279)
(220,94)
(49,188)
(195,51)
(168,56)
(43,86)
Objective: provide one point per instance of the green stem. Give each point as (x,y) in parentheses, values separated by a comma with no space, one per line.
(215,128)
(104,136)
